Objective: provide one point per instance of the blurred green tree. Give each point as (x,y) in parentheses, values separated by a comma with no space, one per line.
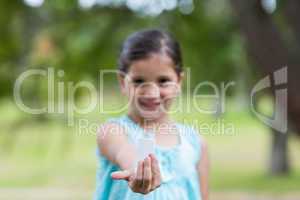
(265,25)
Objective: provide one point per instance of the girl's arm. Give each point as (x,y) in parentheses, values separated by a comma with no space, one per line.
(203,169)
(113,144)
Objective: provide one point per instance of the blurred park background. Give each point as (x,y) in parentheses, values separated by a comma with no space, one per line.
(43,157)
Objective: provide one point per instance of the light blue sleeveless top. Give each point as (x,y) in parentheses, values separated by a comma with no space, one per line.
(177,164)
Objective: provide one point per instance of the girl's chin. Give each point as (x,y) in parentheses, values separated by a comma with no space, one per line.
(150,114)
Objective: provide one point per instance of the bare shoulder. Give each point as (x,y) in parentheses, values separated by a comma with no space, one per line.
(204,145)
(203,160)
(201,139)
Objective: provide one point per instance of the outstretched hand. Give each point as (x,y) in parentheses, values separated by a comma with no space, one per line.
(146,178)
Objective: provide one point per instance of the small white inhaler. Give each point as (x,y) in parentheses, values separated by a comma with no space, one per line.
(145,147)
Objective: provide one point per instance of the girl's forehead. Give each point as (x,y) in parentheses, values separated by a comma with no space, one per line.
(155,65)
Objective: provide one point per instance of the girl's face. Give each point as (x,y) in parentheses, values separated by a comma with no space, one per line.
(151,84)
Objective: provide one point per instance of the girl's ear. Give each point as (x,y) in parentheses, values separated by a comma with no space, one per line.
(121,80)
(180,77)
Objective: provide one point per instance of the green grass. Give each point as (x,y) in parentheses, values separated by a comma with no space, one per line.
(255,181)
(50,154)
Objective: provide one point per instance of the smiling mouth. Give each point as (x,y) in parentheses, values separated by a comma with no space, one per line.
(149,104)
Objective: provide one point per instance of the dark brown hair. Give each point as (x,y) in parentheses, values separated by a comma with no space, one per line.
(142,44)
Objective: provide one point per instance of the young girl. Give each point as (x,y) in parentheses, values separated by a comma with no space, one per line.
(150,75)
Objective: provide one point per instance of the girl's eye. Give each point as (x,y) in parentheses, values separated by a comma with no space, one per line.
(163,81)
(138,81)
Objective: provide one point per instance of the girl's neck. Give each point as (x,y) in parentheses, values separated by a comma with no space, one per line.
(146,123)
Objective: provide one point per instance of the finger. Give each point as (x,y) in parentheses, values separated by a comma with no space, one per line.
(138,181)
(147,175)
(118,175)
(156,176)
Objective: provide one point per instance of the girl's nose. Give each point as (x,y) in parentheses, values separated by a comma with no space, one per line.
(151,90)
